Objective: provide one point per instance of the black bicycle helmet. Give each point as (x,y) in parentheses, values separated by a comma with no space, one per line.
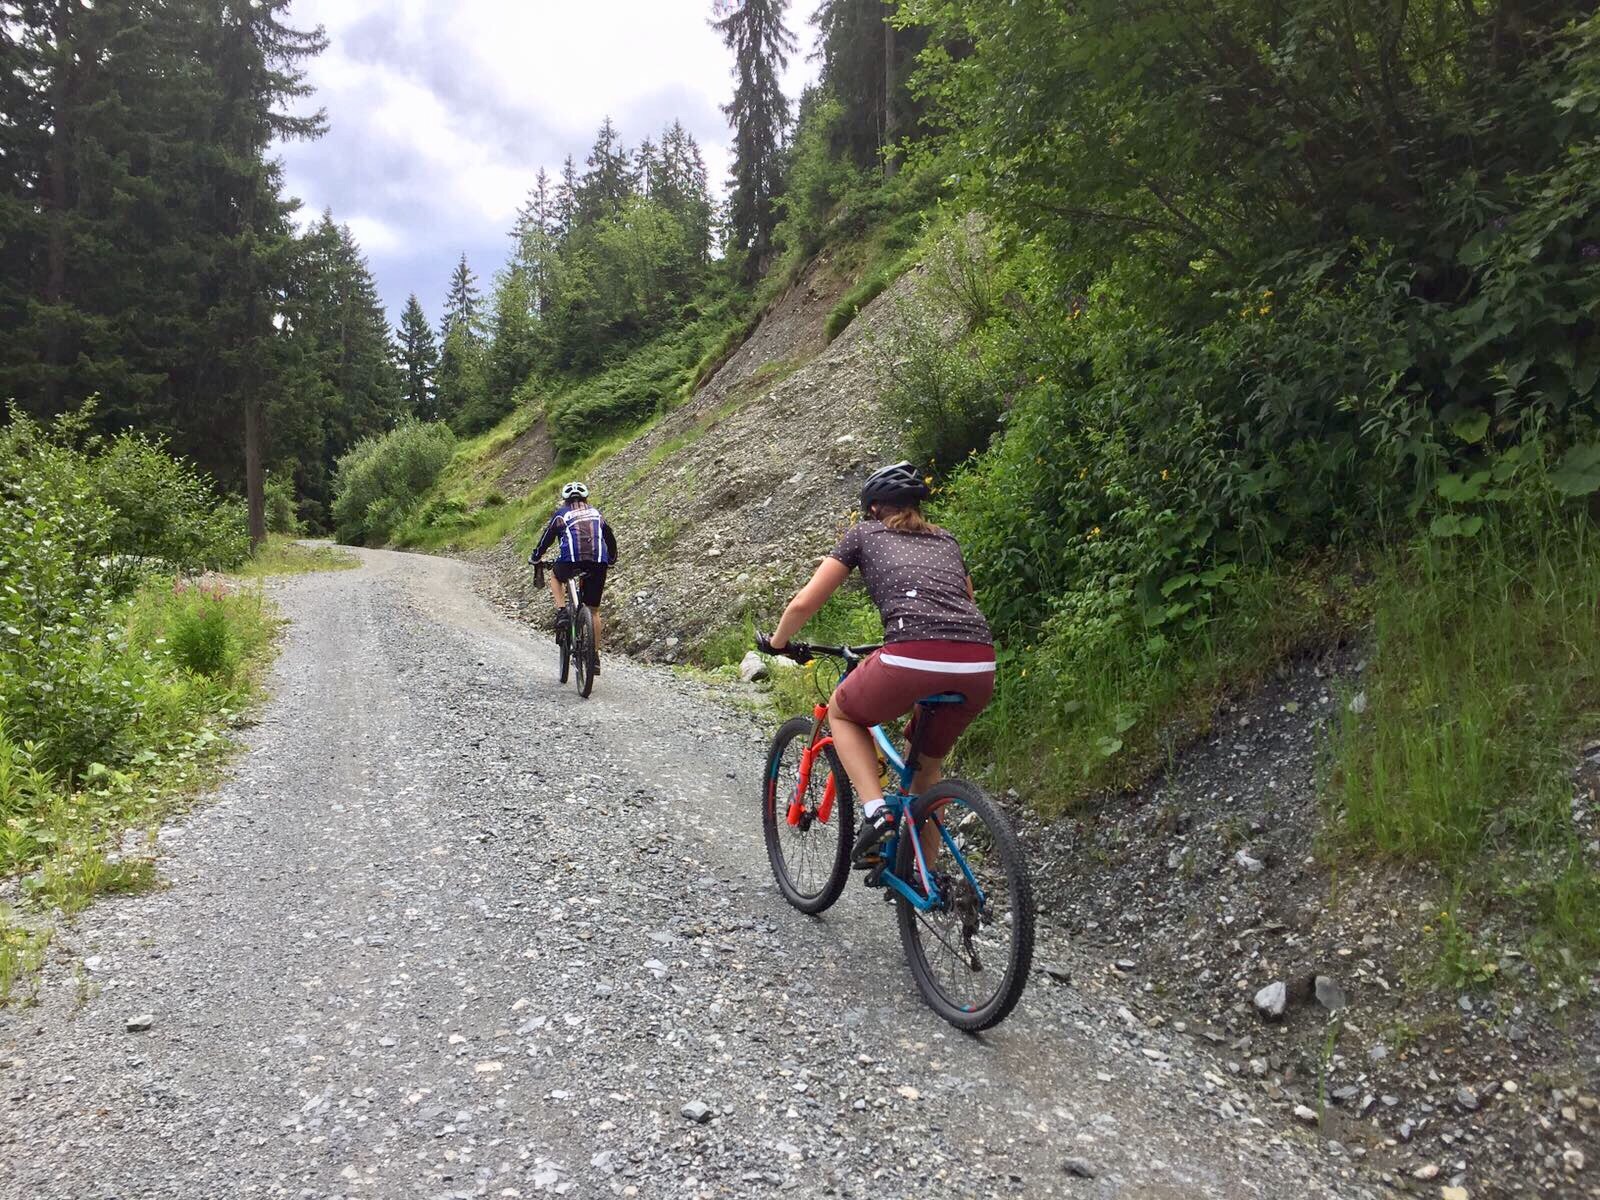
(897,484)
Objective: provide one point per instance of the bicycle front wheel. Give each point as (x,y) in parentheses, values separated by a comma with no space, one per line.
(583,650)
(810,858)
(970,955)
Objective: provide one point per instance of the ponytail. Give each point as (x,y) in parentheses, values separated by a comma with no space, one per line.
(905,519)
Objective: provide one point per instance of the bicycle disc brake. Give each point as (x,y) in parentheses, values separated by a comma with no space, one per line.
(965,904)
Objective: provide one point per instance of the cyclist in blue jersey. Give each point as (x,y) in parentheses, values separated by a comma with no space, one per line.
(584,545)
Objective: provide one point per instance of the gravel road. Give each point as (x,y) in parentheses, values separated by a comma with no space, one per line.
(451,931)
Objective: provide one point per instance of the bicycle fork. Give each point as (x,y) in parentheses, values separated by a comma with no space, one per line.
(815,747)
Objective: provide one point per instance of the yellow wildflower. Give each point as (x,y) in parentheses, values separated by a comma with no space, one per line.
(1264,309)
(1163,474)
(1095,532)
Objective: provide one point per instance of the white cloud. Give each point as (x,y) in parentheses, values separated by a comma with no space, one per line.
(442,111)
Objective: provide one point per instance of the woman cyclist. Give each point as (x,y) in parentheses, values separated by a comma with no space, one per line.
(935,639)
(586,545)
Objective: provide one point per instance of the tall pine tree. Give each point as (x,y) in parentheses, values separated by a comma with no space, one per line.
(759,115)
(419,362)
(257,59)
(461,305)
(609,181)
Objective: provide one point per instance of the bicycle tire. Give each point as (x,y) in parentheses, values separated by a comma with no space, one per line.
(996,840)
(776,829)
(583,655)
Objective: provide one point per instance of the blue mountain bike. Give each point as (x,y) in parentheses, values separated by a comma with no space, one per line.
(953,866)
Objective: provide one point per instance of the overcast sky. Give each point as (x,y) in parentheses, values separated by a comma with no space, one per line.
(442,111)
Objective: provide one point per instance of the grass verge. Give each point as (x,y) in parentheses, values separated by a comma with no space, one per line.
(284,555)
(191,658)
(1461,747)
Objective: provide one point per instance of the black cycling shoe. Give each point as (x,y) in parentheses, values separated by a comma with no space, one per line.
(563,619)
(873,830)
(595,670)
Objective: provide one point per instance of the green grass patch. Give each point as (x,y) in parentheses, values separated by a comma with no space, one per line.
(1456,747)
(1098,703)
(22,948)
(189,658)
(284,555)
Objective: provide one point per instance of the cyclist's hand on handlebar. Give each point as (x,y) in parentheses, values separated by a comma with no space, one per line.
(764,644)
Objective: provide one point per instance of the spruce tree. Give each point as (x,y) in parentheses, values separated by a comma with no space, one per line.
(567,197)
(534,238)
(866,61)
(759,115)
(419,362)
(609,181)
(461,305)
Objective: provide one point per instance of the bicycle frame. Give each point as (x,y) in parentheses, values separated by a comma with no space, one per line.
(900,801)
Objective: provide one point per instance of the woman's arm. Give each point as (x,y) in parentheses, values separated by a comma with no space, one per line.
(828,579)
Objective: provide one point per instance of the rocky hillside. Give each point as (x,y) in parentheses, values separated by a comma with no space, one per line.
(730,500)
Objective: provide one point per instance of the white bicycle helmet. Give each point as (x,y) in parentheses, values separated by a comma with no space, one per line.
(575,491)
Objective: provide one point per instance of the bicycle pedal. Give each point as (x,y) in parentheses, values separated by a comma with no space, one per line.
(874,877)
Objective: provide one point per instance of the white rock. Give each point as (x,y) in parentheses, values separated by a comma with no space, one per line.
(753,667)
(1308,1115)
(1272,1000)
(1572,1159)
(1250,866)
(1426,1172)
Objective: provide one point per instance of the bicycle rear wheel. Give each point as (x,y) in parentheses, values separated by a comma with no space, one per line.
(811,859)
(583,650)
(564,649)
(970,956)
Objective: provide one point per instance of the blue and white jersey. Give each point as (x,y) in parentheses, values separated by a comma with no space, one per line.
(580,535)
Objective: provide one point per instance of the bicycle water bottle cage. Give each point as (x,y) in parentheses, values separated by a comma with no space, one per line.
(943,698)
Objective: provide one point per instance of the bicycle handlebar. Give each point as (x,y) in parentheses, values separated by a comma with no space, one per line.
(800,651)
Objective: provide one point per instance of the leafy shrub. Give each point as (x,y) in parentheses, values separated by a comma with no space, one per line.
(281,515)
(382,480)
(164,509)
(648,381)
(201,639)
(857,298)
(945,397)
(56,687)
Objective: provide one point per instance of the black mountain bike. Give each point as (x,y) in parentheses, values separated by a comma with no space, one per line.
(574,636)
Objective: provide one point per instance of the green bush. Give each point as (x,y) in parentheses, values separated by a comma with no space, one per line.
(201,639)
(380,482)
(852,302)
(281,515)
(649,380)
(945,398)
(56,686)
(163,509)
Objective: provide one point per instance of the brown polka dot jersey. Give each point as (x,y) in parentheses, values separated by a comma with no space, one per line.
(918,581)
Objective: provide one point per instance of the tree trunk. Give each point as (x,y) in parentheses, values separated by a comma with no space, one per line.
(254,478)
(891,117)
(55,285)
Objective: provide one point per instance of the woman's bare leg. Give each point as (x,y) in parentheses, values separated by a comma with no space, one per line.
(929,772)
(853,744)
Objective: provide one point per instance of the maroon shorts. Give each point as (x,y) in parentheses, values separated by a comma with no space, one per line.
(892,680)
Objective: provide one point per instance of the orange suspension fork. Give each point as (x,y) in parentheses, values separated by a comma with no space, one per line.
(814,747)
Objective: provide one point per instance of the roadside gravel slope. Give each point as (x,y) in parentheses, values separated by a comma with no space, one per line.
(451,931)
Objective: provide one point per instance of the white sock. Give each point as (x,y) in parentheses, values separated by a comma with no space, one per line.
(868,807)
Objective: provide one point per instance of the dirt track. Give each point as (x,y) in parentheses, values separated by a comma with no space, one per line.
(451,931)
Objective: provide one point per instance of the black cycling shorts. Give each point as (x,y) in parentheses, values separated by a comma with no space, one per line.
(593,585)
